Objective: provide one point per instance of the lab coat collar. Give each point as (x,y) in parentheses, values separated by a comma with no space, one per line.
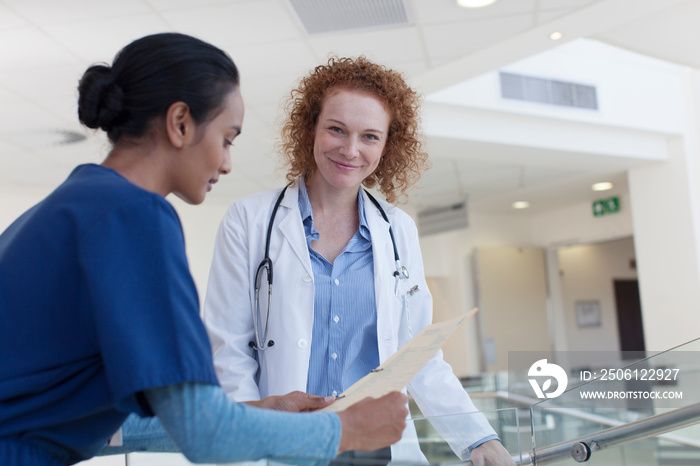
(379,229)
(291,228)
(383,254)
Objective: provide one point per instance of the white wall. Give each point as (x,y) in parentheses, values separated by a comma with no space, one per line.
(462,351)
(634,91)
(448,259)
(13,204)
(587,273)
(666,239)
(576,224)
(200,224)
(513,301)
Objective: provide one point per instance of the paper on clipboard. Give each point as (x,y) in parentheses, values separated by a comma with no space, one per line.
(402,366)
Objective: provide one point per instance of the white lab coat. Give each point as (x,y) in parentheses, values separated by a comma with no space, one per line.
(245,375)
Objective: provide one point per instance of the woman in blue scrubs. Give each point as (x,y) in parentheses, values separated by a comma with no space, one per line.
(99,313)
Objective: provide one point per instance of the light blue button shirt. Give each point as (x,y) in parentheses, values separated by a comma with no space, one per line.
(344,338)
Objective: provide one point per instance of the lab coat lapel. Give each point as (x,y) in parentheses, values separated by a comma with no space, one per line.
(291,228)
(383,255)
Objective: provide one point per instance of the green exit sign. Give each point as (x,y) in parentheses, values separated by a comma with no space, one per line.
(611,205)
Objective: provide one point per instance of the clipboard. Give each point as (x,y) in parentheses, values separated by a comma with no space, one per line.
(402,366)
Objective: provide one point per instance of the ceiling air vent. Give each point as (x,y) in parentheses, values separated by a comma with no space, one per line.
(440,219)
(328,16)
(546,91)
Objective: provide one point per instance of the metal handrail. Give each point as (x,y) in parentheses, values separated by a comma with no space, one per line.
(582,448)
(572,412)
(620,434)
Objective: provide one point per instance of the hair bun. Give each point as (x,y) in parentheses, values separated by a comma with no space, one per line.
(101,100)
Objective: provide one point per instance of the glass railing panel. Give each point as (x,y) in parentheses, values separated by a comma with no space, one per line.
(639,453)
(488,382)
(436,438)
(645,452)
(112,460)
(437,445)
(604,390)
(157,459)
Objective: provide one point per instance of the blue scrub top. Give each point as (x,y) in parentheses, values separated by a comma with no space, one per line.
(96,305)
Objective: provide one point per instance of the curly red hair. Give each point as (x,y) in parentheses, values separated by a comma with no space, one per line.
(403,159)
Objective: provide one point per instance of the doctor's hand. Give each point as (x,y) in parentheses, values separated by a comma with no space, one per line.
(293,402)
(372,423)
(491,453)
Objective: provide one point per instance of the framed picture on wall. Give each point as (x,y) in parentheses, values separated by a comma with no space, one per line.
(588,314)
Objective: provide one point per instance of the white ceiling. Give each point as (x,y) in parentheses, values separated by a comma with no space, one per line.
(47,44)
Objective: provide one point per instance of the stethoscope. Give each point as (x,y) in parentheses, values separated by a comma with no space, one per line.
(400,273)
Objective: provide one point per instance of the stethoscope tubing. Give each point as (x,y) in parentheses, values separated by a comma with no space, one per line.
(266,264)
(400,273)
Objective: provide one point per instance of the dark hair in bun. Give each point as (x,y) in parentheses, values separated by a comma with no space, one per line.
(148,76)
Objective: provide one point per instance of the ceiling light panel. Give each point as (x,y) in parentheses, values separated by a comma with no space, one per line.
(474,3)
(329,16)
(602,186)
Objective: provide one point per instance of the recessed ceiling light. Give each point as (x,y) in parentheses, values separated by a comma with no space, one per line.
(474,3)
(521,205)
(556,35)
(604,186)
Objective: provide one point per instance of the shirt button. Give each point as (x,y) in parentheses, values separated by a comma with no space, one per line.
(334,356)
(337,282)
(302,343)
(336,319)
(307,278)
(334,393)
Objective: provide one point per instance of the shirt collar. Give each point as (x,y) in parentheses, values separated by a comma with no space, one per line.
(364,228)
(307,215)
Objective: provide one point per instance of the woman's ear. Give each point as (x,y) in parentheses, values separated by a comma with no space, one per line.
(179,125)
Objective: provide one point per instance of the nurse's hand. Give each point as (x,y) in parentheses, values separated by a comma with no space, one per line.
(294,402)
(372,423)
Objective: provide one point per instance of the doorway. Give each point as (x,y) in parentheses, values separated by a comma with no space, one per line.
(629,318)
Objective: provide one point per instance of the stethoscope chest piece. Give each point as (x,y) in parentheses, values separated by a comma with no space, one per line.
(401,272)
